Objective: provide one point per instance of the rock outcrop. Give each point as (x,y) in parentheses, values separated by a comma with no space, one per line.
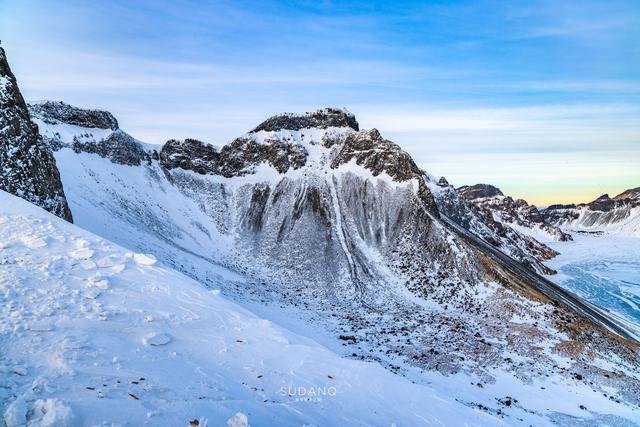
(469,207)
(321,119)
(506,210)
(27,166)
(97,132)
(57,112)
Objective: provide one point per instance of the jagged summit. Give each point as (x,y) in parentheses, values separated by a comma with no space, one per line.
(96,132)
(55,112)
(516,213)
(27,166)
(620,214)
(631,194)
(322,119)
(477,191)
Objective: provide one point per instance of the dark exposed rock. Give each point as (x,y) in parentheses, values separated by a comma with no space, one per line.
(477,215)
(378,155)
(189,154)
(27,166)
(114,144)
(234,159)
(119,147)
(54,112)
(472,192)
(603,203)
(491,200)
(631,194)
(322,119)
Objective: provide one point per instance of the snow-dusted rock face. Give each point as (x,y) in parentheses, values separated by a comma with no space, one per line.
(341,224)
(90,131)
(617,215)
(322,119)
(27,166)
(518,213)
(498,220)
(234,159)
(57,112)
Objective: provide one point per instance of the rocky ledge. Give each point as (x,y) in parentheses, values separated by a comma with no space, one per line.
(56,112)
(321,119)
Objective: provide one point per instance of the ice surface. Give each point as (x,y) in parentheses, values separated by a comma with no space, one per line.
(604,269)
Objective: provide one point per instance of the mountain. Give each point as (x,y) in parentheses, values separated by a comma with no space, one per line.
(335,229)
(617,215)
(93,334)
(27,166)
(513,227)
(517,214)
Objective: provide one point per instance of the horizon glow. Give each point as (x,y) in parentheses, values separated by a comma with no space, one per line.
(541,99)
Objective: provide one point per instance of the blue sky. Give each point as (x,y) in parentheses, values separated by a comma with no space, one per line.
(541,98)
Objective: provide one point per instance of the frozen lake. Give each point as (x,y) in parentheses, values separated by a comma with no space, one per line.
(604,270)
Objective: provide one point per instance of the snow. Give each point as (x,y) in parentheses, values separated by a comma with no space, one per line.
(144,259)
(604,269)
(66,133)
(622,221)
(156,348)
(535,231)
(238,420)
(187,342)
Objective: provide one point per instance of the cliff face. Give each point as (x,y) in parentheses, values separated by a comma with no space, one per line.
(617,215)
(27,166)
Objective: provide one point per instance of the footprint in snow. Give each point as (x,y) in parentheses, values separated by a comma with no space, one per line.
(156,339)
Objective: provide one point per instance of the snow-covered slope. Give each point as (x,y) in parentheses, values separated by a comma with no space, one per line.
(619,215)
(517,214)
(27,166)
(338,230)
(603,268)
(509,226)
(92,334)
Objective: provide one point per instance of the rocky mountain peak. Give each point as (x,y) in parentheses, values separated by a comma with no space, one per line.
(27,166)
(56,112)
(478,191)
(96,132)
(321,119)
(630,194)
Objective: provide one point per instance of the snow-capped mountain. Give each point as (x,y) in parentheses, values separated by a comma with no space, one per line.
(514,227)
(517,214)
(315,224)
(27,167)
(93,334)
(618,215)
(337,227)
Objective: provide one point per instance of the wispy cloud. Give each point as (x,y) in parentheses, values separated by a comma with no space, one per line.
(470,89)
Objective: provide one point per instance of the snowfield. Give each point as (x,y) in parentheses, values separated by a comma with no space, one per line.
(91,334)
(603,268)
